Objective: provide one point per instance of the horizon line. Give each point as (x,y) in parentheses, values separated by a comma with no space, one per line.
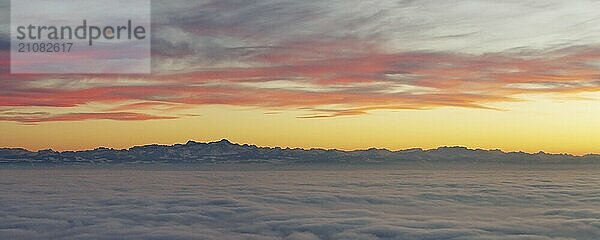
(311,148)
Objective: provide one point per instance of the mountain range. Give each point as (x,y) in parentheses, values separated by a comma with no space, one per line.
(225,152)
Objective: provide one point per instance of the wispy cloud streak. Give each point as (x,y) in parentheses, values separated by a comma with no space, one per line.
(334,59)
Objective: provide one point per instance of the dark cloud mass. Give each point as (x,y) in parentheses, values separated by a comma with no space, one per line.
(359,204)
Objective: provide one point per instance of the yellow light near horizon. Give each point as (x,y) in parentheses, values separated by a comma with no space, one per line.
(539,123)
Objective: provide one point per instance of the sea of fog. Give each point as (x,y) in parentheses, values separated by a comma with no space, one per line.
(299,204)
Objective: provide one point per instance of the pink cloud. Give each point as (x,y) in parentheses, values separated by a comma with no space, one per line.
(356,81)
(47,117)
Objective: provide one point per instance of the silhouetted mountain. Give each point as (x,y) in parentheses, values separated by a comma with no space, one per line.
(226,152)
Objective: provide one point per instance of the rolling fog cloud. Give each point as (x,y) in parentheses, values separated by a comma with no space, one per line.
(66,204)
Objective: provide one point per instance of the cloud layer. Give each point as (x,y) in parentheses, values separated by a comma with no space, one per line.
(352,204)
(331,59)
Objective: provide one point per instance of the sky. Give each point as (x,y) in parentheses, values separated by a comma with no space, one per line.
(510,75)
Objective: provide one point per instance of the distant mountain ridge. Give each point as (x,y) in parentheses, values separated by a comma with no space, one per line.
(226,152)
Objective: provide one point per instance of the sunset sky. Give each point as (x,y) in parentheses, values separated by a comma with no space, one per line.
(348,74)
